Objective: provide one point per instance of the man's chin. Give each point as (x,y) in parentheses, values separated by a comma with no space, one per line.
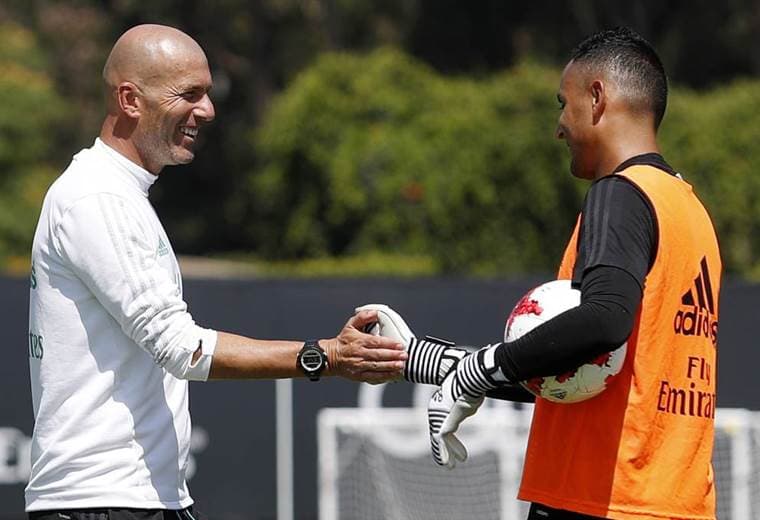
(579,173)
(184,156)
(574,170)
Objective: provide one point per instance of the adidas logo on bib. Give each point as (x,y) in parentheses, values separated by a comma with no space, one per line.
(698,317)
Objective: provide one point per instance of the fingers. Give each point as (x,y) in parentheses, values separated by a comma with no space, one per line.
(462,409)
(388,323)
(373,371)
(376,378)
(457,450)
(380,374)
(373,359)
(446,411)
(447,450)
(436,416)
(443,454)
(372,348)
(392,367)
(377,354)
(372,307)
(364,357)
(352,333)
(374,365)
(381,343)
(361,319)
(387,366)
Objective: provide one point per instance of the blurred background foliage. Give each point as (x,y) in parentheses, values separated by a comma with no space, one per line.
(377,152)
(30,116)
(360,137)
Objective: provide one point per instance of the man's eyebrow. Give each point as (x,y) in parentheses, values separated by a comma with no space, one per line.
(194,89)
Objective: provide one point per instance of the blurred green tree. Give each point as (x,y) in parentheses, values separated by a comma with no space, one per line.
(30,114)
(418,147)
(712,137)
(378,152)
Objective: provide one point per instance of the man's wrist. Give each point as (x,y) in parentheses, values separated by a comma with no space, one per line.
(332,350)
(430,360)
(491,365)
(477,373)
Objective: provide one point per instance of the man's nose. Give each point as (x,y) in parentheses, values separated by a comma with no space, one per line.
(205,109)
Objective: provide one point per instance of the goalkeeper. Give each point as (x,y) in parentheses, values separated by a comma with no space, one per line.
(643,254)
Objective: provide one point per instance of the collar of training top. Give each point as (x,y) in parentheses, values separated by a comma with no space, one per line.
(649,159)
(136,174)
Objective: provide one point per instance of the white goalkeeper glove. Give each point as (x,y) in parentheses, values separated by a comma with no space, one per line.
(430,359)
(459,397)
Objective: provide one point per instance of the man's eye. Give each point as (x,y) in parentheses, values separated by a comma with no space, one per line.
(191,95)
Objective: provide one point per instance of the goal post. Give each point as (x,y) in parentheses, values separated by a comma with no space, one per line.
(375,464)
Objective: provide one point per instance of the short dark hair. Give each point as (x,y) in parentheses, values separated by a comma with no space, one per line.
(632,63)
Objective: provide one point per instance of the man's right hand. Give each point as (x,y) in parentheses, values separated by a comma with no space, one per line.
(430,359)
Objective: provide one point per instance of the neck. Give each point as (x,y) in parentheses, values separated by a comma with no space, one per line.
(623,145)
(117,133)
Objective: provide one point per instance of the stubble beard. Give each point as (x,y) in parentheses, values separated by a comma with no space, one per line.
(158,153)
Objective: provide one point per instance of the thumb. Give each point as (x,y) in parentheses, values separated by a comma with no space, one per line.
(371,307)
(448,429)
(362,318)
(455,447)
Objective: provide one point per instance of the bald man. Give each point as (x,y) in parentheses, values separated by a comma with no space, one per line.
(111,343)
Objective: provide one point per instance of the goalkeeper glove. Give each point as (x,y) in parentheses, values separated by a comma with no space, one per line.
(459,397)
(430,359)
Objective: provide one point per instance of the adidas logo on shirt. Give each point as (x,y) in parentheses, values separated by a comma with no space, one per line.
(162,249)
(698,317)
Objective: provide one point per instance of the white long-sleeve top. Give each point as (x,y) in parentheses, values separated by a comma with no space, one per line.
(110,344)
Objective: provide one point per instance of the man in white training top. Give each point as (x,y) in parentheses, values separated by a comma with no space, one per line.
(113,344)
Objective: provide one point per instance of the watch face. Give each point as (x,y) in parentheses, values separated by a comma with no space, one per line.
(311,360)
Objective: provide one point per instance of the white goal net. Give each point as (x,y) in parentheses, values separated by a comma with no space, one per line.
(375,464)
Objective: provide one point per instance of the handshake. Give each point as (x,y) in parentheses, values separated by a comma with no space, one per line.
(463,379)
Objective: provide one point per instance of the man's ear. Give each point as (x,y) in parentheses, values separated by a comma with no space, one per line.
(598,100)
(128,97)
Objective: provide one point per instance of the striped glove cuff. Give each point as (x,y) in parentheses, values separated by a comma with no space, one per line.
(478,372)
(430,360)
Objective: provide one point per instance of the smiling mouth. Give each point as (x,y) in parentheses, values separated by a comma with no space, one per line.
(189,132)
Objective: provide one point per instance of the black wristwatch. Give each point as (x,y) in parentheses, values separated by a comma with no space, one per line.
(311,359)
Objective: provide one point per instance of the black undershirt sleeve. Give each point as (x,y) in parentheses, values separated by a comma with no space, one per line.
(617,229)
(601,323)
(616,248)
(512,392)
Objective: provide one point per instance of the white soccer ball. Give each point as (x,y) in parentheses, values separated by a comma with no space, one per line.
(541,304)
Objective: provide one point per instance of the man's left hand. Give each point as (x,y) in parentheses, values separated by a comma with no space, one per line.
(447,408)
(459,397)
(358,356)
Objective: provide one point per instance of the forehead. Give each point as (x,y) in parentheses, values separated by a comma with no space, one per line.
(573,78)
(188,72)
